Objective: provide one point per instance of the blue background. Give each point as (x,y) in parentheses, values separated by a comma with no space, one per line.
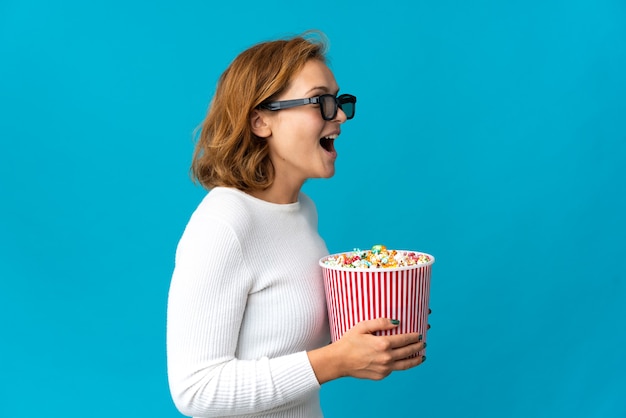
(491,134)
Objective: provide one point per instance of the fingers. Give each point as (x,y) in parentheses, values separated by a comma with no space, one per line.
(381,324)
(409,351)
(403,340)
(366,355)
(409,363)
(373,325)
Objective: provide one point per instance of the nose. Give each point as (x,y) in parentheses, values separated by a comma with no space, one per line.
(341,116)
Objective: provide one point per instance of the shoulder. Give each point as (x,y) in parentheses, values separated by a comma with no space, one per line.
(224,205)
(215,226)
(221,212)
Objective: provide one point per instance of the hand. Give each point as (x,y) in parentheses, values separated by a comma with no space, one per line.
(361,354)
(368,356)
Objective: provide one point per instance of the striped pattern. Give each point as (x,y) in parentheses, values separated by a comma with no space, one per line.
(354,295)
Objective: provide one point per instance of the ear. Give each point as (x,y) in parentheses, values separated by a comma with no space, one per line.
(260,124)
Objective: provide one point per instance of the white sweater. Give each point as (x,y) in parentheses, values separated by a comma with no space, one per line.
(246,302)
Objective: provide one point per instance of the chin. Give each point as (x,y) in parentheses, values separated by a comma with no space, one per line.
(329,174)
(325,175)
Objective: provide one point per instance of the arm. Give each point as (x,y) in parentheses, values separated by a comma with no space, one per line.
(206,306)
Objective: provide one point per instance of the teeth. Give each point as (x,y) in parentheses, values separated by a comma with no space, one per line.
(334,136)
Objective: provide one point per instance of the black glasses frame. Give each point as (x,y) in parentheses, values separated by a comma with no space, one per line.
(321,100)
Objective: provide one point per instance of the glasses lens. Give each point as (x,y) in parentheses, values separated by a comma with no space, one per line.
(329,103)
(347,104)
(329,106)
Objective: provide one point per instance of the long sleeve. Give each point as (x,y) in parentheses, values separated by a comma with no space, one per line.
(217,311)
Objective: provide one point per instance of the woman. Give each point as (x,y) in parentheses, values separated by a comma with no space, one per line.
(247,331)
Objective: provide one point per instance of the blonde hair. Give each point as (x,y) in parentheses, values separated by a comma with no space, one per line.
(227,152)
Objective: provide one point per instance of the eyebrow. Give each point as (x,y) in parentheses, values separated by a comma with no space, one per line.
(323,89)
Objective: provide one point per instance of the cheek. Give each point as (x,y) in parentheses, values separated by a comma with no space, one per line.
(308,129)
(306,126)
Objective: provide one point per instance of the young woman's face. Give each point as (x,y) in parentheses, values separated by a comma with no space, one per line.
(301,141)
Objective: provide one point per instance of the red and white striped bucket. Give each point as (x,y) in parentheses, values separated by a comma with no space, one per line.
(357,294)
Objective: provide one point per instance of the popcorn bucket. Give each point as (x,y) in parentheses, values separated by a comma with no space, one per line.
(357,294)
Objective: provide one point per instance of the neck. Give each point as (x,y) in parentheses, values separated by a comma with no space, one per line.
(279,192)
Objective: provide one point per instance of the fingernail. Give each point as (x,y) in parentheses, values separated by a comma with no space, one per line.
(424,345)
(419,338)
(423,359)
(395,321)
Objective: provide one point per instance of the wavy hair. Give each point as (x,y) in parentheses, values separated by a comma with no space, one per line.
(227,152)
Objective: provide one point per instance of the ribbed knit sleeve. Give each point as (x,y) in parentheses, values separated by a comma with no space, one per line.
(209,293)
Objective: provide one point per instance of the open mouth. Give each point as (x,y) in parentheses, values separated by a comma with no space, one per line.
(328,142)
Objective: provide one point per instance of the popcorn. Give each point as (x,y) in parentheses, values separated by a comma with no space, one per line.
(377,257)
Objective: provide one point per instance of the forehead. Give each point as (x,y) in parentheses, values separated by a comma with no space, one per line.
(315,75)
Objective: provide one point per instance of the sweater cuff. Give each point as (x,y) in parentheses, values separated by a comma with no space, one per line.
(293,374)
